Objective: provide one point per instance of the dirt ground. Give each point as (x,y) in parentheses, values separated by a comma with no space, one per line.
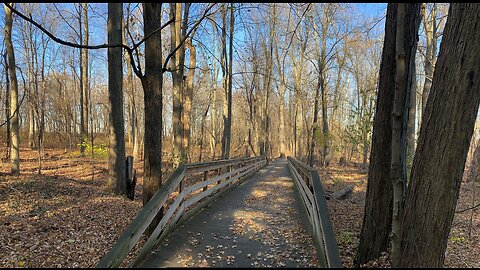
(65,218)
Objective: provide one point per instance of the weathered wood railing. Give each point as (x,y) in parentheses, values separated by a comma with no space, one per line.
(190,197)
(310,188)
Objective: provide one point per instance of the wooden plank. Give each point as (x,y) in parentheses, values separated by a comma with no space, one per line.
(182,218)
(161,226)
(331,247)
(134,231)
(301,190)
(324,237)
(192,188)
(206,193)
(212,165)
(204,203)
(304,189)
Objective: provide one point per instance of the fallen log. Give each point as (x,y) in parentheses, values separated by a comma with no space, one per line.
(342,194)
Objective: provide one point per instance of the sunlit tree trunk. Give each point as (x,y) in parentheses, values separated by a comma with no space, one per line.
(189,96)
(14,110)
(177,66)
(84,79)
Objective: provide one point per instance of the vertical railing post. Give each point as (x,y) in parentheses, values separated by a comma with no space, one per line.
(205,174)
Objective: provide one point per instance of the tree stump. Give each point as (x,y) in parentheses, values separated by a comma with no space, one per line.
(131,178)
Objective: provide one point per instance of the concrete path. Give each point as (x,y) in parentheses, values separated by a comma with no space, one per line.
(260,223)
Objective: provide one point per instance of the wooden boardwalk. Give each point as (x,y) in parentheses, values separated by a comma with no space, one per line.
(260,223)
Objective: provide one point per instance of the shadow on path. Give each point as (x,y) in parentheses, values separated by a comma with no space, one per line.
(258,224)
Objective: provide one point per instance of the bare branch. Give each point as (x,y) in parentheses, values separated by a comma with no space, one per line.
(186,36)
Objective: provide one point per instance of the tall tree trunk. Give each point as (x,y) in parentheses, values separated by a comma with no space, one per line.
(116,155)
(84,81)
(397,169)
(444,141)
(133,130)
(268,82)
(227,107)
(152,83)
(177,63)
(430,26)
(281,93)
(189,96)
(7,108)
(412,110)
(14,110)
(408,22)
(377,218)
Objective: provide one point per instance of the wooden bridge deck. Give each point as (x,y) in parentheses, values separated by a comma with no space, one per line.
(260,223)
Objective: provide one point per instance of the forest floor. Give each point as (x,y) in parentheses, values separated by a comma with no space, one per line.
(347,215)
(65,217)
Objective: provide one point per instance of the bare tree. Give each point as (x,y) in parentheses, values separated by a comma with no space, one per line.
(377,219)
(227,81)
(116,155)
(189,96)
(84,78)
(14,106)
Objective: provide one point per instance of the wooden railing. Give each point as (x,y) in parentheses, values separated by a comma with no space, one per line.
(193,189)
(310,188)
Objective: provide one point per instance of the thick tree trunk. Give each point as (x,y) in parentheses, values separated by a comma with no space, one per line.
(444,141)
(152,83)
(397,169)
(408,22)
(14,111)
(177,63)
(377,219)
(116,155)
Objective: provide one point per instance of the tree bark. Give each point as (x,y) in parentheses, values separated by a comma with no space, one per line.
(408,22)
(397,171)
(14,110)
(189,96)
(444,140)
(412,111)
(84,82)
(152,83)
(377,219)
(177,63)
(227,83)
(116,155)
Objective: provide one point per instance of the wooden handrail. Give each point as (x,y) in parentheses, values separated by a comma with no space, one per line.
(311,192)
(177,210)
